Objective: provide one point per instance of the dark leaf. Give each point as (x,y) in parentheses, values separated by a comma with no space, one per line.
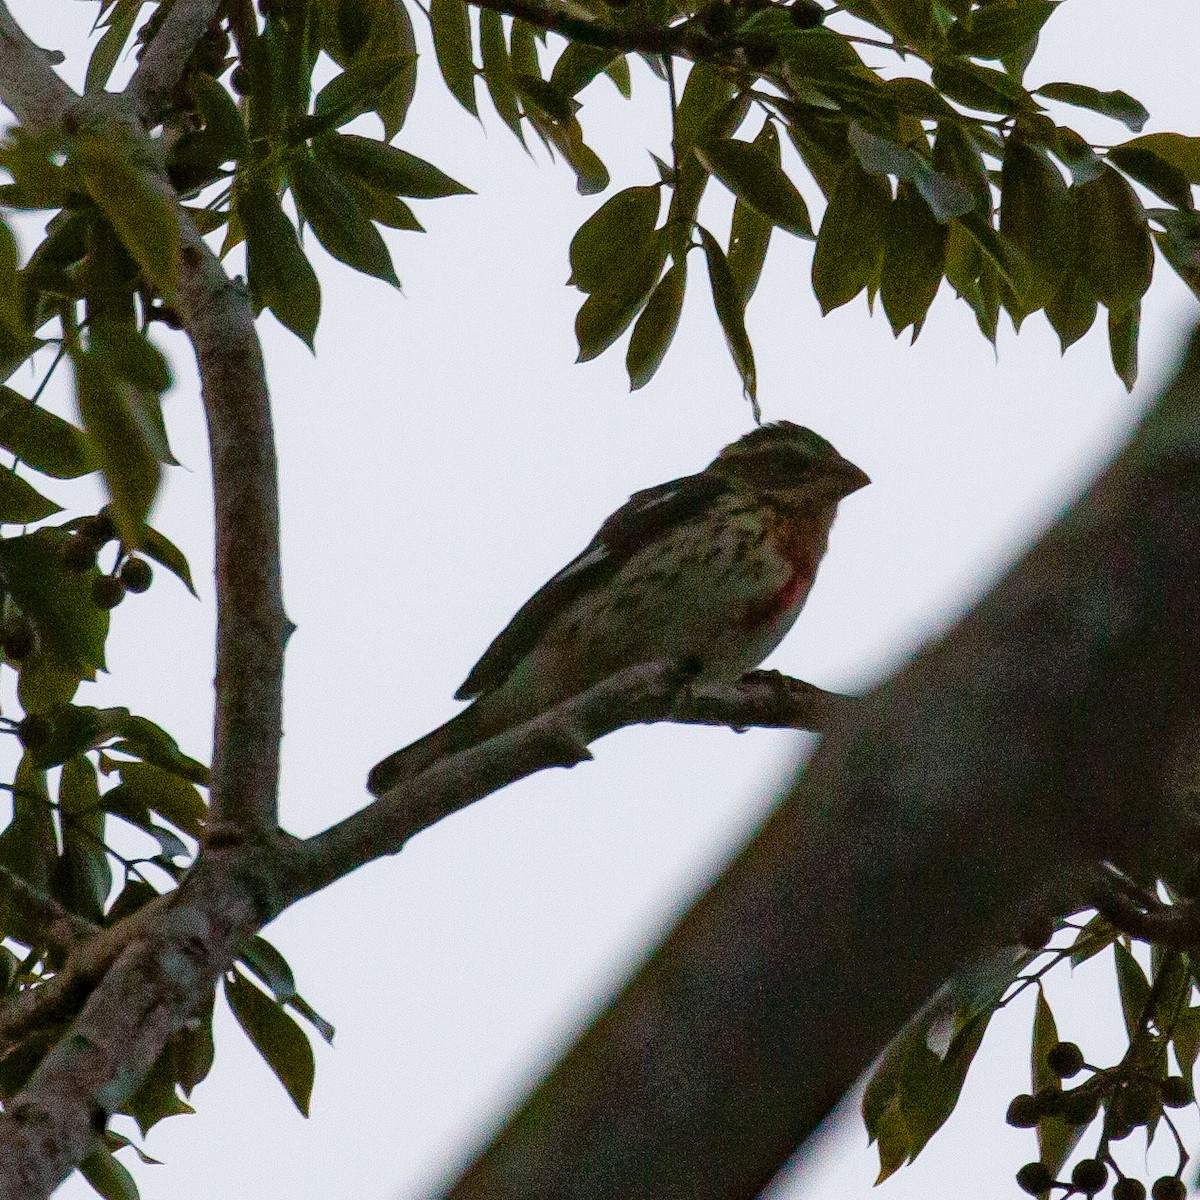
(275,1036)
(163,792)
(945,197)
(1115,246)
(750,232)
(578,65)
(820,139)
(1180,244)
(1133,986)
(20,502)
(1072,311)
(613,304)
(388,167)
(119,23)
(749,171)
(731,312)
(617,230)
(1056,1139)
(163,550)
(1123,328)
(1037,217)
(452,44)
(280,277)
(358,88)
(1001,29)
(956,156)
(328,205)
(1119,105)
(656,327)
(497,70)
(271,968)
(1176,150)
(157,1097)
(84,878)
(143,739)
(28,846)
(1164,180)
(914,258)
(980,87)
(851,238)
(105,1172)
(42,440)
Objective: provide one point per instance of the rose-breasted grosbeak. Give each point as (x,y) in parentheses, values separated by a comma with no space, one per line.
(710,570)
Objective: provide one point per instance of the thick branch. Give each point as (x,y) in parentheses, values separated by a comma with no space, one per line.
(559,738)
(28,84)
(980,787)
(164,59)
(35,915)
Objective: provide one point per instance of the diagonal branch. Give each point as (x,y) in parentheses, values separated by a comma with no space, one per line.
(29,86)
(39,916)
(163,61)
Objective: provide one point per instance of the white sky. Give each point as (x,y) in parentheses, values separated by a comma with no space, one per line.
(442,456)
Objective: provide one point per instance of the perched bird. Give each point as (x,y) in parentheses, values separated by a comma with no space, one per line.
(710,571)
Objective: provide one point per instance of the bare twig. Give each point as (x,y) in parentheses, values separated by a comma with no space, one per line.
(163,60)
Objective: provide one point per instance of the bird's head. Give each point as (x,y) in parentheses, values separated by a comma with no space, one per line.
(785,457)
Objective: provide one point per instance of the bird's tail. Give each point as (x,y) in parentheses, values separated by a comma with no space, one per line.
(459,733)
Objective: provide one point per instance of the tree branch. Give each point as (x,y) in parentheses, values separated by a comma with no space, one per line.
(978,788)
(36,915)
(163,61)
(29,86)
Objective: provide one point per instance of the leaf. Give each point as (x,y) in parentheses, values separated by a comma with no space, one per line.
(279,275)
(387,167)
(980,87)
(1072,311)
(108,49)
(1133,987)
(497,70)
(579,64)
(115,421)
(27,845)
(1037,217)
(71,629)
(328,205)
(270,966)
(84,878)
(160,548)
(1056,1139)
(613,304)
(750,173)
(749,231)
(1180,244)
(1000,30)
(1186,1039)
(274,1034)
(145,221)
(157,1098)
(851,239)
(956,155)
(1116,251)
(655,328)
(731,312)
(1123,330)
(145,740)
(107,1174)
(945,197)
(1155,173)
(357,89)
(617,230)
(1119,105)
(20,502)
(163,792)
(452,44)
(42,440)
(1175,149)
(914,258)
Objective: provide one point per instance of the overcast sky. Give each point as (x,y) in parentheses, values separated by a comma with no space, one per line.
(441,456)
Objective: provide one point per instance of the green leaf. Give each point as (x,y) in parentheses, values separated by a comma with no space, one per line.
(1133,986)
(83,878)
(1115,246)
(980,87)
(820,139)
(279,275)
(163,792)
(146,222)
(117,427)
(20,502)
(617,230)
(656,327)
(106,1173)
(1001,30)
(1186,1039)
(145,740)
(42,440)
(707,109)
(1123,328)
(553,116)
(1155,173)
(157,1098)
(452,44)
(71,629)
(328,205)
(750,232)
(1176,150)
(388,167)
(945,197)
(497,70)
(851,238)
(119,22)
(613,304)
(1037,217)
(357,89)
(1180,244)
(160,548)
(1072,311)
(749,172)
(1118,105)
(271,968)
(579,64)
(1056,1139)
(274,1034)
(914,259)
(731,312)
(28,846)
(956,155)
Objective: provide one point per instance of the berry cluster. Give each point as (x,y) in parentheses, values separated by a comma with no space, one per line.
(81,554)
(1130,1100)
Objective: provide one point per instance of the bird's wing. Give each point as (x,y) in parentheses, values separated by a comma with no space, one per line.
(643,517)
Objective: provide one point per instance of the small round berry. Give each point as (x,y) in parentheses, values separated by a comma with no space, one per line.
(1034,1178)
(107,591)
(1023,1112)
(79,554)
(1065,1059)
(760,52)
(1129,1189)
(1168,1187)
(99,530)
(1089,1175)
(1175,1091)
(239,80)
(1080,1107)
(136,574)
(1139,1103)
(806,14)
(1049,1100)
(717,19)
(34,731)
(17,638)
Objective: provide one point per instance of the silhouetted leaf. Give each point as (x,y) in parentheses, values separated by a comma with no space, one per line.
(106,1173)
(656,327)
(1115,246)
(851,238)
(1123,328)
(751,174)
(160,548)
(357,89)
(731,312)
(1119,105)
(914,258)
(1072,311)
(1000,30)
(452,44)
(614,302)
(980,87)
(1176,150)
(497,70)
(41,439)
(1155,173)
(274,1034)
(1037,217)
(388,167)
(1180,244)
(619,228)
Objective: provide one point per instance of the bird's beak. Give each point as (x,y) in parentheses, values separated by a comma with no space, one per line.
(850,477)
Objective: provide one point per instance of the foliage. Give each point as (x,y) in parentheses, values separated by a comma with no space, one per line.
(910,122)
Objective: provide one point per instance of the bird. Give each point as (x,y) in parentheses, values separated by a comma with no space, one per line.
(709,571)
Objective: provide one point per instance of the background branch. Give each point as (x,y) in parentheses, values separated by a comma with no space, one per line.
(163,61)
